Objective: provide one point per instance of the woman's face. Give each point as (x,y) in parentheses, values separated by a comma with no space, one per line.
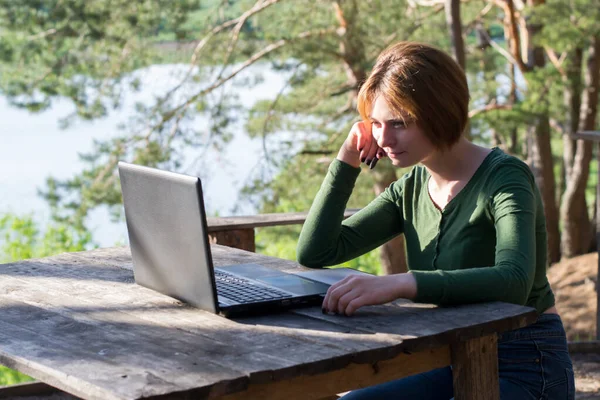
(406,145)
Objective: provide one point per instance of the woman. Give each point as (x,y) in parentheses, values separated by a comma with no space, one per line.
(472,217)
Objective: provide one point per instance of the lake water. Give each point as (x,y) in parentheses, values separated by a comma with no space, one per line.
(35,147)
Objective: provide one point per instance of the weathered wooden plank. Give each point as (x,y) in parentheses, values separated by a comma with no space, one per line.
(88,361)
(422,326)
(121,257)
(586,135)
(216,224)
(261,353)
(475,369)
(79,302)
(354,376)
(423,323)
(426,321)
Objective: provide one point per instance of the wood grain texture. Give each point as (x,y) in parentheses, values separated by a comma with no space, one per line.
(216,224)
(354,376)
(78,322)
(475,369)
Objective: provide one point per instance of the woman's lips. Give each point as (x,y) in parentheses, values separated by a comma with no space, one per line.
(396,154)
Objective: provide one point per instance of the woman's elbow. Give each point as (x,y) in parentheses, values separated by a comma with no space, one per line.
(518,292)
(305,257)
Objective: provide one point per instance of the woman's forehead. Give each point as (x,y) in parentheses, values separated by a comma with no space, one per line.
(381,109)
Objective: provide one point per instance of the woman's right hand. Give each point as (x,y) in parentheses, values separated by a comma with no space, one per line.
(360,146)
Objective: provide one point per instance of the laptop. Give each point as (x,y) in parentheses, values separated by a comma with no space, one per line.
(166,225)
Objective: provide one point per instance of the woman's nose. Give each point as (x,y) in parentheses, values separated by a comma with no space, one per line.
(386,136)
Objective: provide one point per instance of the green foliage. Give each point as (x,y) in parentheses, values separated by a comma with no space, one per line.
(566,25)
(21,238)
(79,49)
(86,51)
(11,377)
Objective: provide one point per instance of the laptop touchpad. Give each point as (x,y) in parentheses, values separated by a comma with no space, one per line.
(295,284)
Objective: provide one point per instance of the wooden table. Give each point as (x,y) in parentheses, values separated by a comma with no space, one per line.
(78,322)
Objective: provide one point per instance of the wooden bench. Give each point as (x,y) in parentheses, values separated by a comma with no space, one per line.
(238,232)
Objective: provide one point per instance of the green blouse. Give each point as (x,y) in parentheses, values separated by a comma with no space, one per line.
(488,244)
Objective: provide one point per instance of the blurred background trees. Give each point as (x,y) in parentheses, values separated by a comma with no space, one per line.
(532,67)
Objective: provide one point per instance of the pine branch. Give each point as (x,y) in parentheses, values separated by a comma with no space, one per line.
(258,7)
(317,152)
(514,37)
(241,20)
(253,59)
(425,3)
(499,48)
(557,126)
(490,107)
(43,34)
(556,61)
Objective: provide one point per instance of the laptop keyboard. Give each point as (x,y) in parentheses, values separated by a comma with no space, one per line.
(243,290)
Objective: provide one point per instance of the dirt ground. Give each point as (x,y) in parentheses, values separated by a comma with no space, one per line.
(573,282)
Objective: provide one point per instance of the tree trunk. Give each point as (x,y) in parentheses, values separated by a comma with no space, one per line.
(454,25)
(574,216)
(352,51)
(393,253)
(572,101)
(540,154)
(453,22)
(540,161)
(512,99)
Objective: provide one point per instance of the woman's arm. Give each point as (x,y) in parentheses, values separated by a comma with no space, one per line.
(327,239)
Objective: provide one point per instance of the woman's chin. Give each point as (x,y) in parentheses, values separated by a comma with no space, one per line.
(402,162)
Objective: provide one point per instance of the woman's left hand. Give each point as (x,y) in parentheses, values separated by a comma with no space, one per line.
(355,291)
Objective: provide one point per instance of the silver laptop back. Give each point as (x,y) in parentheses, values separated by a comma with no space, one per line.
(166,225)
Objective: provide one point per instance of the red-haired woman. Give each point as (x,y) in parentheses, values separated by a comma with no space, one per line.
(472,218)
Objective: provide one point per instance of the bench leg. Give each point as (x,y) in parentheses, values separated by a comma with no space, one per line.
(475,369)
(238,238)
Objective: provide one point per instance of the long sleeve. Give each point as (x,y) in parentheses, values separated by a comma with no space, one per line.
(513,209)
(328,239)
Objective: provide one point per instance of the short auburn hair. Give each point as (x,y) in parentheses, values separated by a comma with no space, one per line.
(423,82)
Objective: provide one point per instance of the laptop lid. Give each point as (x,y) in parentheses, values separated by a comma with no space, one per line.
(166,224)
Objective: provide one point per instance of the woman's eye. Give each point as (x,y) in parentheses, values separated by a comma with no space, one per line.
(375,124)
(398,124)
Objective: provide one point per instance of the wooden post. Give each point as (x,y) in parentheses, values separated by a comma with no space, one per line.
(238,238)
(475,369)
(595,137)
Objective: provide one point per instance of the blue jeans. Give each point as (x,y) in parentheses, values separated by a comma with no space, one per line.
(533,363)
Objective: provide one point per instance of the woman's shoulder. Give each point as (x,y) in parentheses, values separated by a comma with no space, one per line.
(504,168)
(409,182)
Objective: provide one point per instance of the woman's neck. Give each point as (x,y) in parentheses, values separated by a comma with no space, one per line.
(456,164)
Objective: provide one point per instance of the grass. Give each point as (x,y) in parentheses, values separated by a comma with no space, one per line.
(11,377)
